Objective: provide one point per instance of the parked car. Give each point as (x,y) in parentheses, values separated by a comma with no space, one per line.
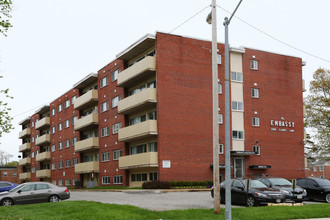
(6,186)
(298,194)
(34,192)
(317,188)
(258,194)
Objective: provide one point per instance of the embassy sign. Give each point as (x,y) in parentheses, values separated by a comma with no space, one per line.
(282,125)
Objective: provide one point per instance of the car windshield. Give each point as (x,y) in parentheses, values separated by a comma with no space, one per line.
(16,188)
(280,182)
(255,184)
(323,182)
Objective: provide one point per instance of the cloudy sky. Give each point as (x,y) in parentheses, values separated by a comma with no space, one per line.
(56,43)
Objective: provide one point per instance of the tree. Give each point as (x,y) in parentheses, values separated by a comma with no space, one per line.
(5,10)
(318,114)
(12,164)
(4,158)
(5,119)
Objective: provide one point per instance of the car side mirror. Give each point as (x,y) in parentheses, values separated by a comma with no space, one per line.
(316,185)
(241,187)
(19,191)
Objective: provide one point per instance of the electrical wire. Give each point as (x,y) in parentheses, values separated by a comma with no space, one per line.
(276,39)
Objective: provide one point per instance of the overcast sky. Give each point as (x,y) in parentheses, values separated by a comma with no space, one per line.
(56,43)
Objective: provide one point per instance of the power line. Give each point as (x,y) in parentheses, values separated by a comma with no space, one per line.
(276,39)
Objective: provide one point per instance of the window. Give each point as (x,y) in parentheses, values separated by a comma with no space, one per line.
(59,108)
(74,140)
(14,174)
(153,176)
(116,154)
(220,148)
(238,135)
(67,182)
(60,182)
(53,166)
(67,123)
(151,84)
(138,149)
(256,149)
(315,169)
(115,101)
(54,182)
(105,131)
(105,156)
(104,81)
(104,106)
(321,168)
(219,59)
(152,115)
(74,181)
(53,148)
(5,173)
(153,147)
(136,90)
(73,99)
(138,177)
(75,118)
(137,120)
(60,126)
(32,155)
(53,112)
(237,106)
(33,170)
(118,180)
(219,88)
(114,75)
(67,143)
(254,65)
(116,127)
(53,129)
(60,146)
(236,77)
(220,119)
(67,103)
(105,180)
(74,162)
(60,165)
(255,93)
(32,140)
(255,121)
(67,163)
(32,124)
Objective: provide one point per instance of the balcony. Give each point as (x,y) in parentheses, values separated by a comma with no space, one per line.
(43,123)
(139,71)
(137,131)
(88,99)
(149,159)
(24,161)
(25,133)
(43,173)
(25,147)
(43,140)
(86,122)
(43,156)
(25,176)
(87,167)
(144,99)
(87,144)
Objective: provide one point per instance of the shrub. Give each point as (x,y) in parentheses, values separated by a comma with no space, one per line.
(156,184)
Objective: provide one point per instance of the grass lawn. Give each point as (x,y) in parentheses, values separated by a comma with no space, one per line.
(95,210)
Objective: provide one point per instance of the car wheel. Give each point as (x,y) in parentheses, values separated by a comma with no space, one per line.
(54,198)
(327,198)
(250,201)
(7,202)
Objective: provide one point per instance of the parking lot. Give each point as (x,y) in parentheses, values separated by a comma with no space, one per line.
(153,199)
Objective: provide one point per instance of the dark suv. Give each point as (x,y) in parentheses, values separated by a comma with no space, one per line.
(317,189)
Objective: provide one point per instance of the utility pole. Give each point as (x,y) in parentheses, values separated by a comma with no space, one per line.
(212,18)
(227,118)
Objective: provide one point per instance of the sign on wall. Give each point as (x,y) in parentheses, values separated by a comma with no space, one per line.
(166,164)
(282,125)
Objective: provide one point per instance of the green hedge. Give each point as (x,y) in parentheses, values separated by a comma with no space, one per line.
(156,184)
(191,184)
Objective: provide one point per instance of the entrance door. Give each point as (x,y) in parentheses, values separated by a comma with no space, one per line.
(239,168)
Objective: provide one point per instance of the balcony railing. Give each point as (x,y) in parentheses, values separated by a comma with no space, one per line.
(25,133)
(24,161)
(87,144)
(43,123)
(137,131)
(86,122)
(137,72)
(149,159)
(43,173)
(43,140)
(43,156)
(25,176)
(144,99)
(87,167)
(86,100)
(25,147)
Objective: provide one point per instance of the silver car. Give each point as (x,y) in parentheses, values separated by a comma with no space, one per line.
(34,192)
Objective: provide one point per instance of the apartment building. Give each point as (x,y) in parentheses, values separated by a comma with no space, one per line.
(9,174)
(320,169)
(147,115)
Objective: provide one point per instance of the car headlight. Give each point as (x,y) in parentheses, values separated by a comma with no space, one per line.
(286,192)
(261,194)
(305,192)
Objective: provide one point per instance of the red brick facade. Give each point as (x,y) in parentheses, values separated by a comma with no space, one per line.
(9,174)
